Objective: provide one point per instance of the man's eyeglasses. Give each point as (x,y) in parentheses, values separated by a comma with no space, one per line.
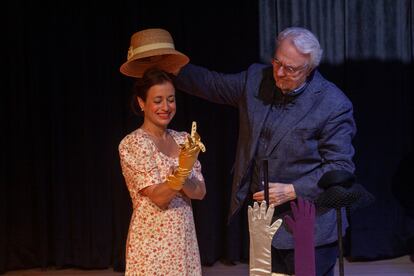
(290,70)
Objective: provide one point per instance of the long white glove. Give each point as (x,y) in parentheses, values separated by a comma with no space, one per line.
(261,233)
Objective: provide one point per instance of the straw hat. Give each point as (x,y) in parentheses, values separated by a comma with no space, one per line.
(152,48)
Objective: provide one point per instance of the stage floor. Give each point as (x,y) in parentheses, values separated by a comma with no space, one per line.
(401,266)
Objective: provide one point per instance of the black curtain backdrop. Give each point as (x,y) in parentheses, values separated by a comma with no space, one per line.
(65,108)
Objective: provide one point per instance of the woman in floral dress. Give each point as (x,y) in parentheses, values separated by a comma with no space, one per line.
(162,177)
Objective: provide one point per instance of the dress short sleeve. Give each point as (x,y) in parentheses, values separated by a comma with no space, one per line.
(138,162)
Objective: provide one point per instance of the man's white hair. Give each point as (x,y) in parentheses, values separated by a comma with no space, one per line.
(304,41)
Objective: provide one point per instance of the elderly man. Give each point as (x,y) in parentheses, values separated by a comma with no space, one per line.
(297,120)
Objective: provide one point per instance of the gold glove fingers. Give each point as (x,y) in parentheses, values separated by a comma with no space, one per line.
(195,137)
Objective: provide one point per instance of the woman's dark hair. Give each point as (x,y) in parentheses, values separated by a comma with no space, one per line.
(151,77)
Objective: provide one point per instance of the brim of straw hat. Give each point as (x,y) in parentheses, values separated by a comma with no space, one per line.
(167,59)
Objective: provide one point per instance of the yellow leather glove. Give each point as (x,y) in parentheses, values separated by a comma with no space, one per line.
(261,234)
(176,180)
(186,160)
(188,155)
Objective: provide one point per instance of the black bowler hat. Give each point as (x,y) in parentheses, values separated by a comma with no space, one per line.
(341,190)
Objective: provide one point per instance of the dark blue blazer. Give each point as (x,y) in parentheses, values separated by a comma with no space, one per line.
(314,137)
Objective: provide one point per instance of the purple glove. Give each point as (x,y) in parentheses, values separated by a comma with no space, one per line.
(302,227)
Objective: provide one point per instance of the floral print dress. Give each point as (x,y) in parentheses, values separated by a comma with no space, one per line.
(160,242)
